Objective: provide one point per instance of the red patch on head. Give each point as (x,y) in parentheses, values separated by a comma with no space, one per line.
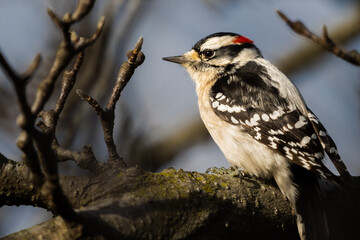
(242,39)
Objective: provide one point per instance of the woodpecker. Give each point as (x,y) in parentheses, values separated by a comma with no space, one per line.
(262,124)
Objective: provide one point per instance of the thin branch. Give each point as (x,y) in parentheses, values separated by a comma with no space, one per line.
(120,18)
(64,27)
(107,116)
(68,48)
(43,161)
(82,43)
(31,68)
(82,9)
(51,117)
(44,158)
(91,101)
(325,41)
(84,159)
(19,82)
(24,141)
(135,58)
(9,70)
(107,123)
(69,79)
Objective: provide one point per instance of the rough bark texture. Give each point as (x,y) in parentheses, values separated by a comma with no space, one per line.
(133,204)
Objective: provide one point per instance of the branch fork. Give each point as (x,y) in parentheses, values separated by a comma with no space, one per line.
(107,115)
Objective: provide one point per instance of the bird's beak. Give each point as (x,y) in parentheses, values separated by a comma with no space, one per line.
(177,59)
(187,57)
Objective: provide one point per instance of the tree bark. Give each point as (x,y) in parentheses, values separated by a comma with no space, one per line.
(133,204)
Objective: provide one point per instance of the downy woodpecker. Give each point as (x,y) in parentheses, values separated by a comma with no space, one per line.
(261,123)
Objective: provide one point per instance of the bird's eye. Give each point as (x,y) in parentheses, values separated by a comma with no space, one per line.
(208,53)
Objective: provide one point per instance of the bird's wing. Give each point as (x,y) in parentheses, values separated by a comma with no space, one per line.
(269,118)
(329,146)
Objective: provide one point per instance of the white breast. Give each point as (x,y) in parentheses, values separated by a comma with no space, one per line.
(242,150)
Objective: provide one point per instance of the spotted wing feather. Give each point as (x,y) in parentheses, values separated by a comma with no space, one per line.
(268,118)
(329,146)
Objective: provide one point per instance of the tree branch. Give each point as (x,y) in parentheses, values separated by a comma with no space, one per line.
(186,205)
(42,161)
(26,118)
(107,116)
(68,48)
(325,41)
(135,59)
(67,85)
(17,190)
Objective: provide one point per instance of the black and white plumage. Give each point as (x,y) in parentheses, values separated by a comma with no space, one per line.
(261,123)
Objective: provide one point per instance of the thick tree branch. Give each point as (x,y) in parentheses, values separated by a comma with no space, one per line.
(180,205)
(17,190)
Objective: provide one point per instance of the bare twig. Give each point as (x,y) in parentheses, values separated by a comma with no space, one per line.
(82,43)
(120,19)
(107,116)
(51,117)
(68,48)
(85,158)
(24,142)
(107,123)
(135,58)
(44,157)
(67,85)
(19,82)
(92,102)
(31,69)
(82,9)
(324,41)
(43,162)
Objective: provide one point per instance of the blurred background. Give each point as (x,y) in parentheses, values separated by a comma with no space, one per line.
(157,121)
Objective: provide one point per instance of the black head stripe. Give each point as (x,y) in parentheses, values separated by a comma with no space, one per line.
(234,49)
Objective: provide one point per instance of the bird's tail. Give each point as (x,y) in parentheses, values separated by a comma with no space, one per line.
(311,217)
